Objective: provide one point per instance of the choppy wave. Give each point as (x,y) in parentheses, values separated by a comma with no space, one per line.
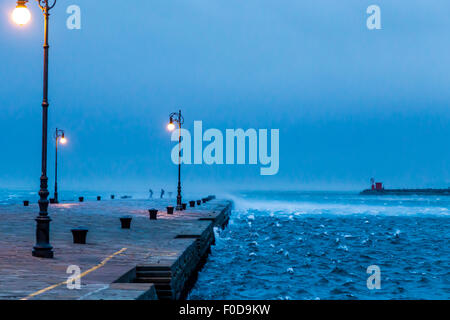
(320,246)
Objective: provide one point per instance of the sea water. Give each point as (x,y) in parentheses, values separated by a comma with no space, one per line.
(319,245)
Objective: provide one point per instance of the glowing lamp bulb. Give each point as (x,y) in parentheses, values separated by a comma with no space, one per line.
(171,126)
(21,15)
(63,140)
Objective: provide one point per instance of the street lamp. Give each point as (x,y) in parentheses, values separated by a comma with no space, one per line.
(59,136)
(21,15)
(178,118)
(42,248)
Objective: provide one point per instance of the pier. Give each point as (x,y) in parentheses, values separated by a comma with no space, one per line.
(154,259)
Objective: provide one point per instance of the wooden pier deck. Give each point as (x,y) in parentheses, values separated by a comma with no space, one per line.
(155,259)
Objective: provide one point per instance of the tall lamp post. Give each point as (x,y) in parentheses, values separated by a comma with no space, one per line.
(42,249)
(178,118)
(59,137)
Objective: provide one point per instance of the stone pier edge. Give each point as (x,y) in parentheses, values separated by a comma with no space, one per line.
(168,281)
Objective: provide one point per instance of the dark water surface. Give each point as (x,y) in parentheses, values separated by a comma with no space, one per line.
(319,246)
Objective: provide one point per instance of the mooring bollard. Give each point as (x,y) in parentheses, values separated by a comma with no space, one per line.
(81,199)
(125,222)
(79,235)
(199,202)
(26,203)
(204,200)
(112,197)
(99,198)
(184,206)
(192,204)
(52,200)
(169,210)
(153,213)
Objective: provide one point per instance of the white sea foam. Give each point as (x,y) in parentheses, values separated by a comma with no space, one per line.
(388,207)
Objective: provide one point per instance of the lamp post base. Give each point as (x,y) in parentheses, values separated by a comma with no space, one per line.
(42,248)
(42,252)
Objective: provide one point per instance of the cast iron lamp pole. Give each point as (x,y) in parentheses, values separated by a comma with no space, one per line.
(178,118)
(58,134)
(42,248)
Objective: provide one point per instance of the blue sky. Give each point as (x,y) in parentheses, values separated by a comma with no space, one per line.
(350,103)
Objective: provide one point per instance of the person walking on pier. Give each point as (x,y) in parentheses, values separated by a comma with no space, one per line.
(162,193)
(151,193)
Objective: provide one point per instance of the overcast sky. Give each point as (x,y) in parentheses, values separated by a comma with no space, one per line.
(350,103)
